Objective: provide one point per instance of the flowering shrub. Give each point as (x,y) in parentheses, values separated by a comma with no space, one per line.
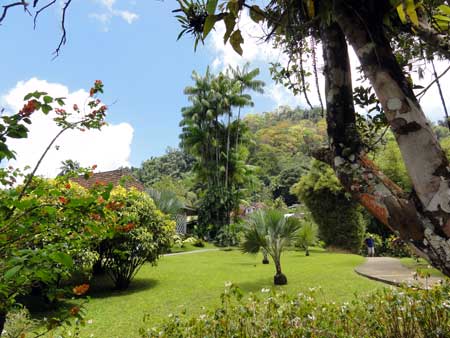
(141,233)
(401,313)
(42,223)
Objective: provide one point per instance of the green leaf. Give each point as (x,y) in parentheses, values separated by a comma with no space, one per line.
(48,99)
(230,23)
(62,258)
(211,6)
(209,24)
(28,96)
(256,14)
(444,9)
(46,108)
(236,40)
(11,272)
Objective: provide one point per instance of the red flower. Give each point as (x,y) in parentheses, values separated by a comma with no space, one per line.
(80,290)
(63,200)
(68,186)
(94,167)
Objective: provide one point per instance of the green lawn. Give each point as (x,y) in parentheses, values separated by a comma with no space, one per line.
(189,247)
(421,265)
(196,280)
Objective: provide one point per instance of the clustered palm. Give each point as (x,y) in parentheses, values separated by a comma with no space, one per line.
(272,232)
(216,138)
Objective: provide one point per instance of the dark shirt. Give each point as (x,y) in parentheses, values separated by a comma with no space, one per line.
(369,242)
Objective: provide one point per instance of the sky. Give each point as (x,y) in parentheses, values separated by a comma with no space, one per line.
(131,46)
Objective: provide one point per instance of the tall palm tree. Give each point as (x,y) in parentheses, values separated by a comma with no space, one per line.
(271,231)
(246,81)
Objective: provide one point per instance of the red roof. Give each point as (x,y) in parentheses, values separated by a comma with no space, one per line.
(116,177)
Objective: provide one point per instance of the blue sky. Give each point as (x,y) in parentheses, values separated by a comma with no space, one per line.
(131,46)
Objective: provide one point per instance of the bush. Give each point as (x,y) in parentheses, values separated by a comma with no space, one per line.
(391,246)
(141,235)
(229,235)
(340,220)
(400,313)
(18,323)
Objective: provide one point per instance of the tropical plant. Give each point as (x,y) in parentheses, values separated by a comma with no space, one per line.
(69,166)
(271,231)
(217,141)
(167,201)
(307,235)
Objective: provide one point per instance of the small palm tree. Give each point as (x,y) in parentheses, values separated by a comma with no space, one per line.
(307,235)
(269,230)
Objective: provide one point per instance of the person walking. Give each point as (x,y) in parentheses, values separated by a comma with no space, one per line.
(370,243)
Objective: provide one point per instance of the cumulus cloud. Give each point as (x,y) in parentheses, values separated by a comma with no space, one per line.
(110,11)
(109,148)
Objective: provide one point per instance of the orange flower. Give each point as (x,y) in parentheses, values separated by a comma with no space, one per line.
(68,186)
(74,311)
(100,200)
(94,167)
(63,200)
(80,289)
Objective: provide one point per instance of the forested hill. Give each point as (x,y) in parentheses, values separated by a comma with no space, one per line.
(278,152)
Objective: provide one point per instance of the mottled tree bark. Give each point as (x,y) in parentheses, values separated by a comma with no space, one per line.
(427,222)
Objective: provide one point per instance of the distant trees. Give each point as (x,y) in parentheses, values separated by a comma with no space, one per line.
(175,163)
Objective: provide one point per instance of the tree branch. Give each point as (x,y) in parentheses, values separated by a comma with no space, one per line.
(14,4)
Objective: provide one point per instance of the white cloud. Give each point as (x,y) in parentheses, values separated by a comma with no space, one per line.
(110,12)
(109,148)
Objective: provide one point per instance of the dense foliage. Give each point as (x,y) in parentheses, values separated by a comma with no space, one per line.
(212,132)
(140,234)
(402,313)
(341,223)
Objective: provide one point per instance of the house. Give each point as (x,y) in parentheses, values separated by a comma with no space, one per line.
(117,177)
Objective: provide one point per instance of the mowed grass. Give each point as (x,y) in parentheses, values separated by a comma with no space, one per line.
(420,265)
(196,280)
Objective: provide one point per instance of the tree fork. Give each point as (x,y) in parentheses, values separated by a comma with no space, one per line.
(369,186)
(429,227)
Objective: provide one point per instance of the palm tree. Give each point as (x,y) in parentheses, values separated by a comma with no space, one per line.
(307,235)
(271,231)
(68,166)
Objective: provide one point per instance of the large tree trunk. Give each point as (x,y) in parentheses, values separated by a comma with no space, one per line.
(280,278)
(426,222)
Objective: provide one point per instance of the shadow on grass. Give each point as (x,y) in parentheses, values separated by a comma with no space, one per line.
(103,287)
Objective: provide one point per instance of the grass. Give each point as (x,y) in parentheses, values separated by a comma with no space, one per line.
(189,247)
(420,265)
(194,281)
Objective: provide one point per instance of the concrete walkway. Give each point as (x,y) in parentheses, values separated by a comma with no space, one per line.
(190,252)
(389,270)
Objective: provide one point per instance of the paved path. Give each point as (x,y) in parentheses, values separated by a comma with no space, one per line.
(389,270)
(190,252)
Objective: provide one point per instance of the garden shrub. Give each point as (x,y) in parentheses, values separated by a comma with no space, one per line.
(229,235)
(399,313)
(141,234)
(392,246)
(18,323)
(340,220)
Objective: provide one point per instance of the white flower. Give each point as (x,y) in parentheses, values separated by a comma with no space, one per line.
(265,290)
(228,284)
(90,321)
